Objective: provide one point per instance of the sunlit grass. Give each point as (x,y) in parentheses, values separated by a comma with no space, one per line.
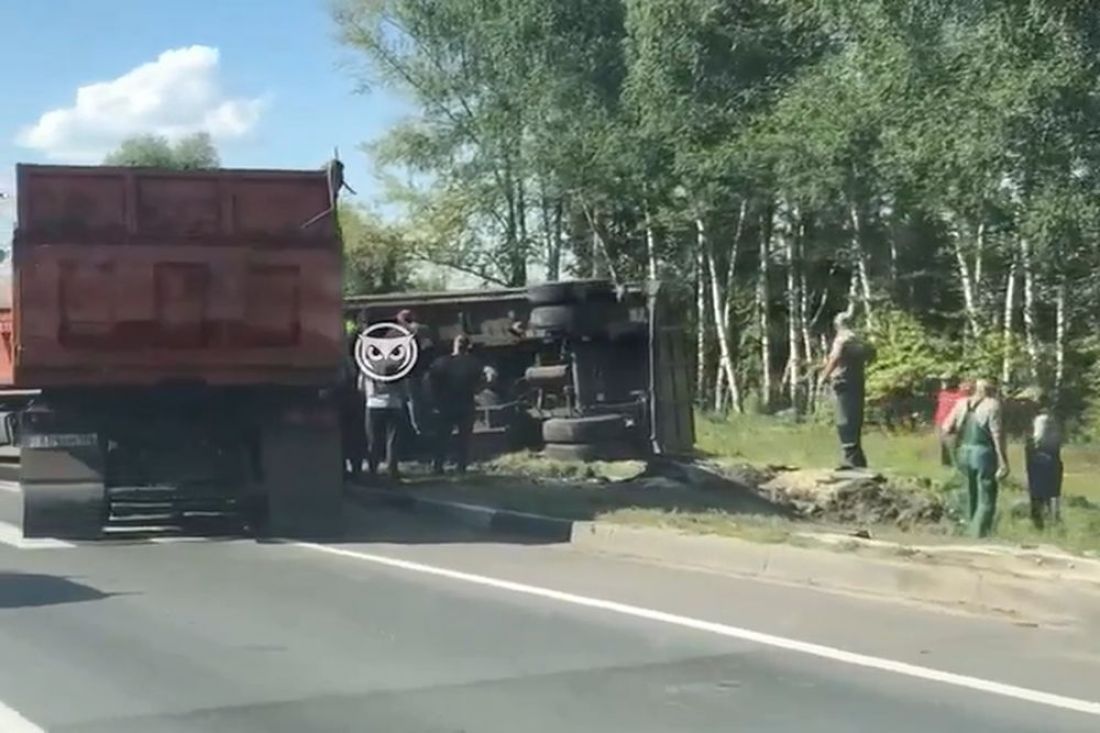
(772,441)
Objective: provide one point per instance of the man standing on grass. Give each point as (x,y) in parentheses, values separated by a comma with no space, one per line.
(982,454)
(846,366)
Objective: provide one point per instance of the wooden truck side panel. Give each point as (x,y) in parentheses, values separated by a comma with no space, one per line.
(130,276)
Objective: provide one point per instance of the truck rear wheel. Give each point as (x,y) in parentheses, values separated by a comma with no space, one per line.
(61,472)
(588,452)
(590,429)
(302,464)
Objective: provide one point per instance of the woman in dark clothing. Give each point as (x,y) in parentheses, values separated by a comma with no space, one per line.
(1044,463)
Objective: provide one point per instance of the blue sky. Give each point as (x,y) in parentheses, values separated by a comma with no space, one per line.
(266,76)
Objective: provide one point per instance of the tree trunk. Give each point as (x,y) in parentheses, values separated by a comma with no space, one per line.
(1008,323)
(553,268)
(1030,337)
(731,267)
(726,374)
(552,231)
(650,247)
(979,258)
(600,251)
(793,244)
(763,299)
(522,242)
(966,280)
(724,318)
(701,321)
(862,266)
(1060,326)
(807,339)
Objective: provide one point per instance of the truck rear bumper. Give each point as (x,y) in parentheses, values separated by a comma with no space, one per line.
(269,460)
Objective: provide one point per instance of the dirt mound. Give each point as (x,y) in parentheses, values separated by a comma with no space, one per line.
(854,497)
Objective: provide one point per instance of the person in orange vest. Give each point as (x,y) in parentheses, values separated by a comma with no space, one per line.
(950,393)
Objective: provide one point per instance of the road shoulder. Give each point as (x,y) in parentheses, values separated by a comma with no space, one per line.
(1028,586)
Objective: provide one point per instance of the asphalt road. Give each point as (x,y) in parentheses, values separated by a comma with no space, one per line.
(410,625)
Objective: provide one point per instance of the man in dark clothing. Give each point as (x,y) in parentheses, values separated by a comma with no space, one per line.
(418,410)
(454,380)
(846,366)
(352,418)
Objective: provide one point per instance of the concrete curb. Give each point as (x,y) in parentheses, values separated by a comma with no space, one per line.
(535,526)
(1054,599)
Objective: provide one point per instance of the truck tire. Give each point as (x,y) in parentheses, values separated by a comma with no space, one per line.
(571,291)
(592,429)
(588,452)
(576,319)
(61,470)
(303,474)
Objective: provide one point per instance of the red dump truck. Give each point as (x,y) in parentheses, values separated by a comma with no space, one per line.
(183,334)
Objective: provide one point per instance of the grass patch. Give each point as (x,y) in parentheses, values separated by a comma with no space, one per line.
(754,528)
(529,482)
(769,441)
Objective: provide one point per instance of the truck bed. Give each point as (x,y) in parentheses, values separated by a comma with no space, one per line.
(130,276)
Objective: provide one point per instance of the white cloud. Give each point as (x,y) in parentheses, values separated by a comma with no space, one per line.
(177,94)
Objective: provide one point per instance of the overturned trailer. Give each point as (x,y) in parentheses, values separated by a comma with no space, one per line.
(583,369)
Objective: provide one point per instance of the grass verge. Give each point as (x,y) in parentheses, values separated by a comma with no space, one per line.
(609,492)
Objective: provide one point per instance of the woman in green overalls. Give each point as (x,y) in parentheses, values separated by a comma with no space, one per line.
(980,454)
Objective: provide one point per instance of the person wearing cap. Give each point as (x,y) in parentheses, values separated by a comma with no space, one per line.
(846,366)
(982,455)
(455,380)
(1043,456)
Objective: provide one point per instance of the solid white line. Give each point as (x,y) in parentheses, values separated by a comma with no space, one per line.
(12,722)
(1088,707)
(13,536)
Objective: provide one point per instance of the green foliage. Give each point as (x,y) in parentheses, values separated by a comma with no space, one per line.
(907,357)
(376,256)
(929,160)
(193,152)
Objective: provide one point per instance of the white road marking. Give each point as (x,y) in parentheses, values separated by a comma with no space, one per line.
(13,536)
(12,487)
(1089,707)
(12,722)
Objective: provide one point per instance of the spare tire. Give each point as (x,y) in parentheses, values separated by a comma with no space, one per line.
(571,291)
(587,452)
(591,429)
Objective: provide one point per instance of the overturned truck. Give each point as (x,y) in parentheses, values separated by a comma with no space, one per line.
(582,369)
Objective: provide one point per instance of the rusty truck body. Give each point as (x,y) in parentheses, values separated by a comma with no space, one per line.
(183,333)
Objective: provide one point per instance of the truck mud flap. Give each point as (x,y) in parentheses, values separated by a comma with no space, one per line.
(61,472)
(303,473)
